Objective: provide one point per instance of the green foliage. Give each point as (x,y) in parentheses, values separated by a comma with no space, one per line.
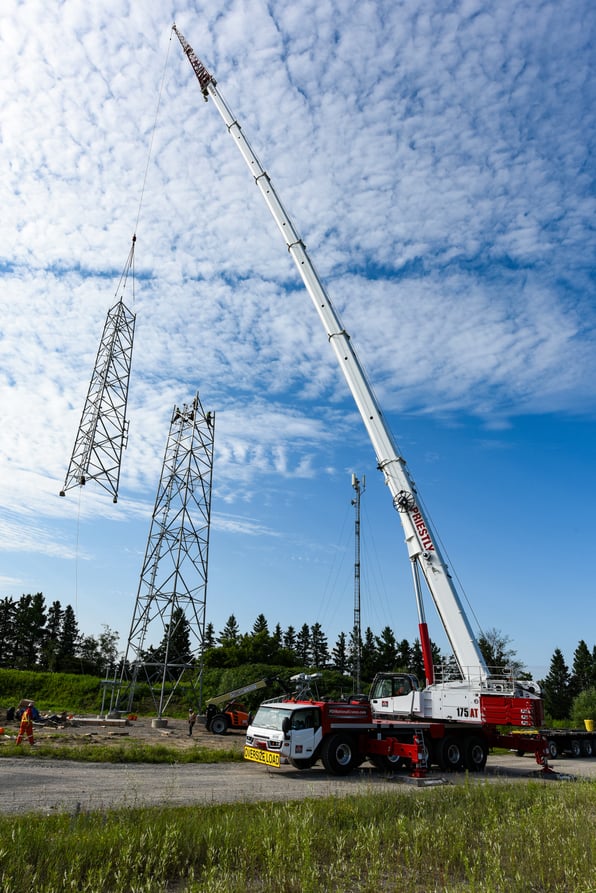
(370,843)
(556,688)
(584,707)
(51,691)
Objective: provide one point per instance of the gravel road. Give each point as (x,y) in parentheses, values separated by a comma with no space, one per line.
(32,784)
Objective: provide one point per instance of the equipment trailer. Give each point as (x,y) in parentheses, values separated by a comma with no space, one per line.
(561,742)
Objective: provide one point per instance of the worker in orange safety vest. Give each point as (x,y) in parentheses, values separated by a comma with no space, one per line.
(26,727)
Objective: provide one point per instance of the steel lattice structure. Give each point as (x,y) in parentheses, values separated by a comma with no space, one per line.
(168,627)
(103,429)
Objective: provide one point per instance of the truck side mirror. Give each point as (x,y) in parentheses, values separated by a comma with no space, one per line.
(286,725)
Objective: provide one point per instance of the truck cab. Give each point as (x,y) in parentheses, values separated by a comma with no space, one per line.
(284,732)
(394,695)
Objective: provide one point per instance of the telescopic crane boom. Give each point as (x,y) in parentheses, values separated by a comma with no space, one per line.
(420,539)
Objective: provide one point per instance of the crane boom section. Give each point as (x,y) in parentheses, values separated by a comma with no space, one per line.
(420,540)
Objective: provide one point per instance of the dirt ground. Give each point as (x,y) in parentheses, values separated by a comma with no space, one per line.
(34,784)
(93,729)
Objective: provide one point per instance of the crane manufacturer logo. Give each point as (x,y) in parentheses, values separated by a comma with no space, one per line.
(423,533)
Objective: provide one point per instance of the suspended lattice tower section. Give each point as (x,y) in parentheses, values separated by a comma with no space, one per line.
(103,429)
(165,645)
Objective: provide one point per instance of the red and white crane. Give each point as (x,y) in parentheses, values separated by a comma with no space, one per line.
(475,680)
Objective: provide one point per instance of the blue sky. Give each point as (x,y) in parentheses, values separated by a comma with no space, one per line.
(438,161)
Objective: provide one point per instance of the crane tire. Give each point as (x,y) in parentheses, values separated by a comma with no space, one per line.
(219,724)
(339,754)
(475,753)
(553,749)
(450,756)
(587,748)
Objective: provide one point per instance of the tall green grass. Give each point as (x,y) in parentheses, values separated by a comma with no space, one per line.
(534,838)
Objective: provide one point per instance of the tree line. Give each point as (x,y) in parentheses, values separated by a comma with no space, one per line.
(34,636)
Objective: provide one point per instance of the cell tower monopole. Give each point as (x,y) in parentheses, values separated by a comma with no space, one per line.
(166,641)
(359,487)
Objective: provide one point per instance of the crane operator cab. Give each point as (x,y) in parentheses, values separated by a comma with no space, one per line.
(395,694)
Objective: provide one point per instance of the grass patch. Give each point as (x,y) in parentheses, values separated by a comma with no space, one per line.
(123,752)
(534,838)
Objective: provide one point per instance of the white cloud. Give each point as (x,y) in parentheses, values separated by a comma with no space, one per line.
(438,163)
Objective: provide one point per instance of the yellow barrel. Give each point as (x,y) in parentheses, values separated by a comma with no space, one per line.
(589,724)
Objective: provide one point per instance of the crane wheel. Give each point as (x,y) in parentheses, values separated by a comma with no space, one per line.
(450,755)
(475,753)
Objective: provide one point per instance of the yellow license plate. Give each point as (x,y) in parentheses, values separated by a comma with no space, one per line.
(261,756)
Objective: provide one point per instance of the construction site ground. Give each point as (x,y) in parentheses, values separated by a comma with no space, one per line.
(32,783)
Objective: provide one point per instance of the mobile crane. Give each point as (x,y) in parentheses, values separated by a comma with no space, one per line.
(475,699)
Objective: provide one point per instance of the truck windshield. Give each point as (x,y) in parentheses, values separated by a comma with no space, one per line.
(270,718)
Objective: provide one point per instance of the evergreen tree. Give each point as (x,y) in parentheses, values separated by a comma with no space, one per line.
(209,640)
(290,639)
(260,625)
(29,628)
(556,688)
(583,668)
(51,644)
(7,632)
(69,641)
(175,647)
(405,657)
(387,649)
(278,636)
(416,662)
(230,634)
(339,655)
(303,652)
(369,661)
(319,646)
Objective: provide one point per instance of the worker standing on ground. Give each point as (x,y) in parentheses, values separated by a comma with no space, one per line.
(26,727)
(192,718)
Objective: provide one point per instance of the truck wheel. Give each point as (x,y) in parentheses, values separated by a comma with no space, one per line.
(304,764)
(575,748)
(339,754)
(449,754)
(587,748)
(475,753)
(553,749)
(219,724)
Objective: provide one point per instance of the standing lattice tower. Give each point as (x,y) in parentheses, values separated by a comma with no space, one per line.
(165,645)
(103,429)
